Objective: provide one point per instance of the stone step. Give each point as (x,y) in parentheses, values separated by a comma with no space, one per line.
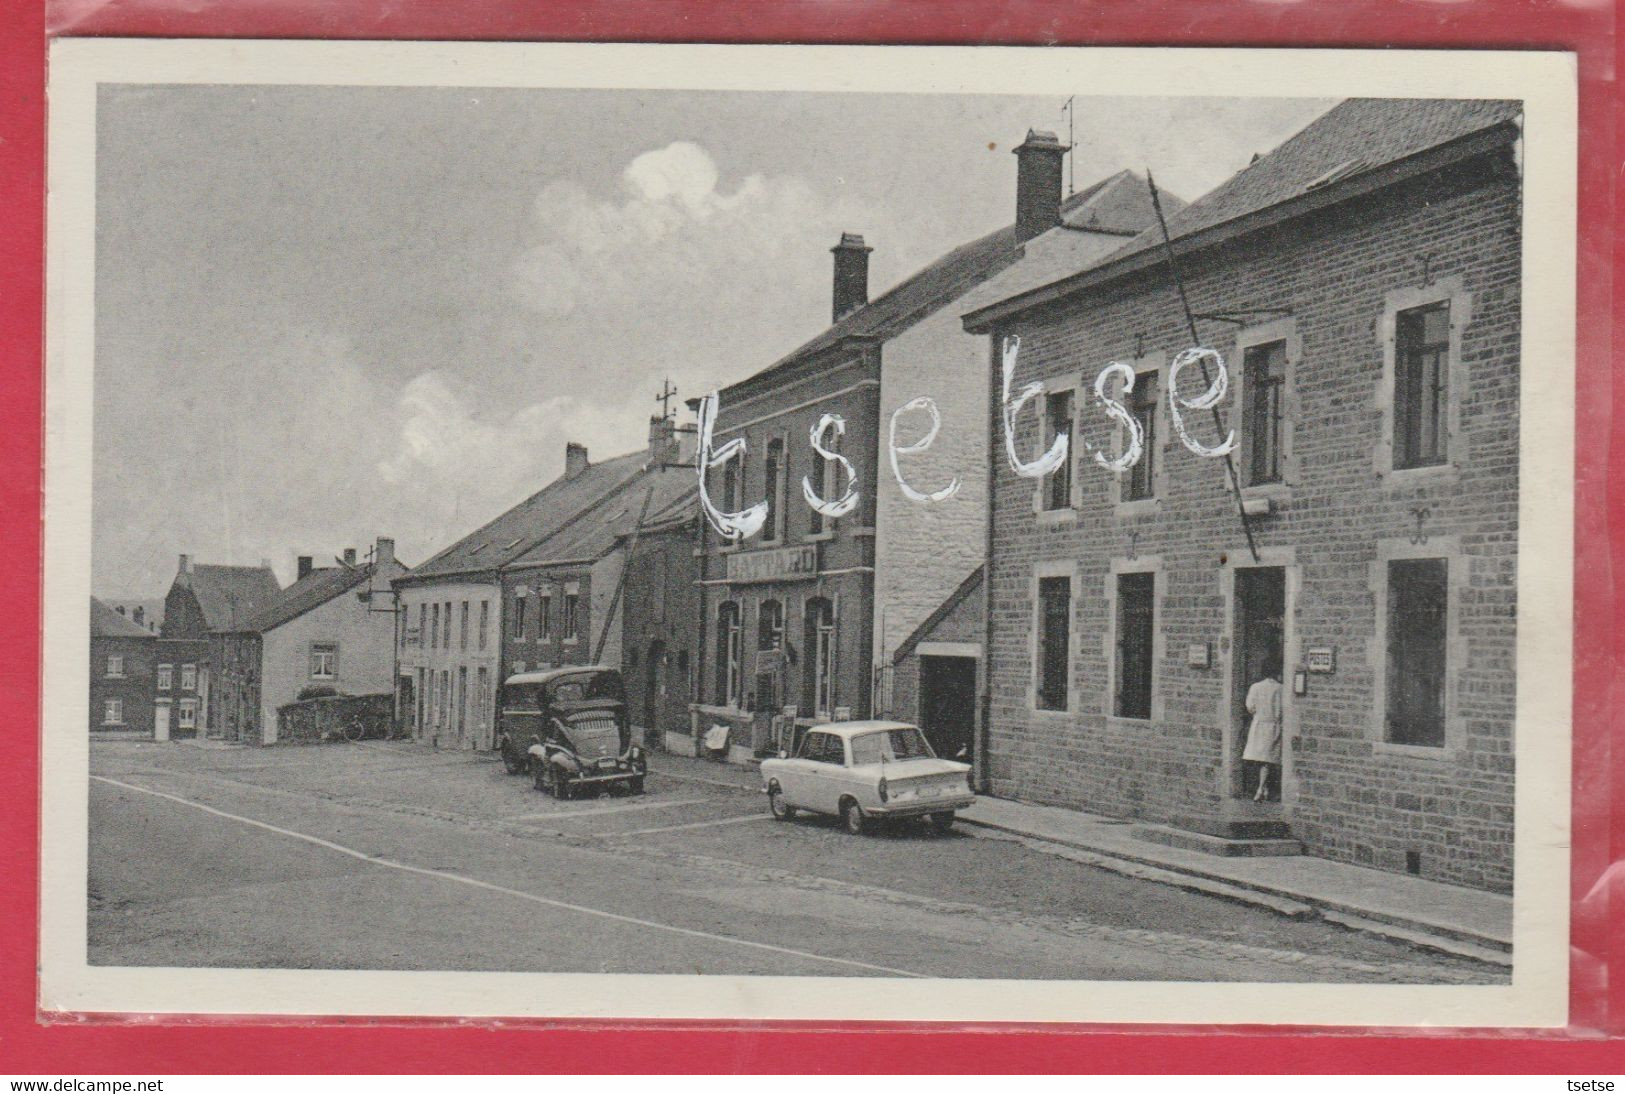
(1227,847)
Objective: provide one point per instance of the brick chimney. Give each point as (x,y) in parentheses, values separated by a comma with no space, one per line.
(186,564)
(851,274)
(575,459)
(383,551)
(349,556)
(139,615)
(306,564)
(1038,184)
(662,439)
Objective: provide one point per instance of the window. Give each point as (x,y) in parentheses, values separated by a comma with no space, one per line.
(423,627)
(462,698)
(1142,404)
(445,634)
(429,697)
(770,626)
(485,622)
(1264,368)
(112,712)
(1418,616)
(165,677)
(482,693)
(434,629)
(1421,369)
(462,629)
(188,714)
(519,615)
(571,621)
(189,677)
(728,654)
(772,485)
(324,660)
(445,697)
(823,473)
(818,636)
(425,698)
(823,748)
(115,665)
(1136,623)
(657,586)
(1054,633)
(732,472)
(1056,489)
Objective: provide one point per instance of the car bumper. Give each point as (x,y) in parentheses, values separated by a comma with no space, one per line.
(921,806)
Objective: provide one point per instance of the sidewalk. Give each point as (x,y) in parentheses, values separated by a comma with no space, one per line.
(1457,920)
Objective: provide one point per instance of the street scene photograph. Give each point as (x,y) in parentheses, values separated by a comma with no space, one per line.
(805,534)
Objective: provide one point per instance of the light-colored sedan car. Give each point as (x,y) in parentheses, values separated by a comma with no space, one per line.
(867,771)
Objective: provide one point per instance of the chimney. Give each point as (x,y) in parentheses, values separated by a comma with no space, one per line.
(306,564)
(186,564)
(851,274)
(140,615)
(575,459)
(662,438)
(383,551)
(1038,184)
(349,556)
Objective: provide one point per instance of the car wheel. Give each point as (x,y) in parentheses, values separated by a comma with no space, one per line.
(562,789)
(513,764)
(635,784)
(538,775)
(941,823)
(853,817)
(782,811)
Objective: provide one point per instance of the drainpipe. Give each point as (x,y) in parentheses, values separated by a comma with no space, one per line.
(984,704)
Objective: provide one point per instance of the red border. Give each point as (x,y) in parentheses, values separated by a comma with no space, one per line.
(257,1046)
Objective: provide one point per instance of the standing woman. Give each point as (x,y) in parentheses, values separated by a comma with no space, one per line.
(1264,735)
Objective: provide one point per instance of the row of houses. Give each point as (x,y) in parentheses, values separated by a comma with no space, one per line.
(1084,635)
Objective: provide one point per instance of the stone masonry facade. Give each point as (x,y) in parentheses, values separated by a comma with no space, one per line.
(1334,280)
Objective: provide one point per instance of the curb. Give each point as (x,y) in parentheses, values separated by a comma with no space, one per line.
(1457,943)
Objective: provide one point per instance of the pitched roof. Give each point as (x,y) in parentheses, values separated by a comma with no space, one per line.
(311,591)
(615,516)
(1115,208)
(521,528)
(1111,207)
(1353,138)
(230,595)
(970,584)
(106,623)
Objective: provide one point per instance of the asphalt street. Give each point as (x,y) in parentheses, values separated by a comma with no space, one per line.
(386,855)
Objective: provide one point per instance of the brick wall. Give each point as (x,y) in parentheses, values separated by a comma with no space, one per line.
(132,686)
(1351,796)
(660,628)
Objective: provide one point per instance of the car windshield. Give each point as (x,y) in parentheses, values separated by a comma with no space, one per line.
(885,745)
(584,687)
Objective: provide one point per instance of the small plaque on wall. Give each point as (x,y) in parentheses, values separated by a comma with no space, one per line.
(1321,659)
(1199,655)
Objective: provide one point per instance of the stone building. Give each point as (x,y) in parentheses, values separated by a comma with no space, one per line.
(1362,284)
(205,603)
(661,610)
(123,669)
(811,613)
(561,598)
(452,625)
(332,630)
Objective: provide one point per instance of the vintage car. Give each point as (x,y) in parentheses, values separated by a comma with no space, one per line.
(569,728)
(864,772)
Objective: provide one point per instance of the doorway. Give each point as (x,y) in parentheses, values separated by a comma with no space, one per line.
(406,707)
(654,696)
(948,705)
(1259,641)
(160,720)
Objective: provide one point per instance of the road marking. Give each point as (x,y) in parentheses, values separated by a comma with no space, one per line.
(475,883)
(606,809)
(685,827)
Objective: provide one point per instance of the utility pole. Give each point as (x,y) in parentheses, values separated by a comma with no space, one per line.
(668,392)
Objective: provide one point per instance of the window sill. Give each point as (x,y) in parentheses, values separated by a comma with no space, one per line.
(1427,754)
(1274,491)
(1139,507)
(819,537)
(1439,474)
(1051,517)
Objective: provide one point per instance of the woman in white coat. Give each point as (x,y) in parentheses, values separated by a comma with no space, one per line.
(1263,748)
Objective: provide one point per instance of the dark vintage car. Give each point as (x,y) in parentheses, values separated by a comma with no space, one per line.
(570,729)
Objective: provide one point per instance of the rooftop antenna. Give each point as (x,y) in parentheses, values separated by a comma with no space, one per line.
(668,392)
(1071,159)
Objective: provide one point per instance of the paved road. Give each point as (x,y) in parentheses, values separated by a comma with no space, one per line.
(387,855)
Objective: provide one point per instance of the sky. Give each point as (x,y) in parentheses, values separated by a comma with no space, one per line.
(328,314)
